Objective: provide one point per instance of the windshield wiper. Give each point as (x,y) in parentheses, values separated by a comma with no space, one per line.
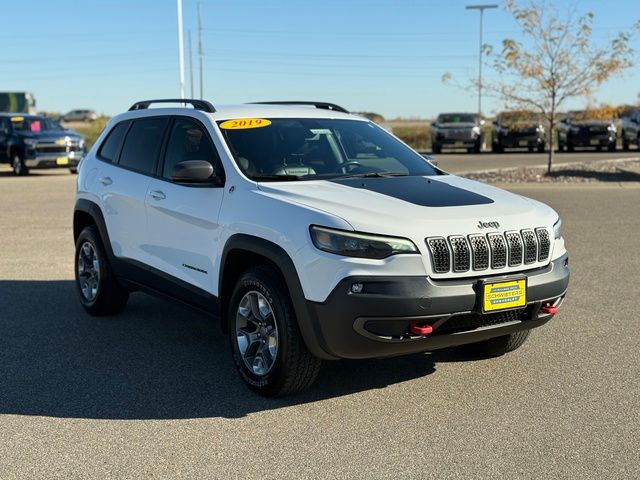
(275,177)
(375,175)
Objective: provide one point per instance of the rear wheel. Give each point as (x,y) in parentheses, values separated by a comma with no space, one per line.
(266,343)
(494,347)
(18,166)
(99,290)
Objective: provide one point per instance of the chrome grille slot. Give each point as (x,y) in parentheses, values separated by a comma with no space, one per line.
(544,244)
(530,246)
(480,251)
(514,243)
(440,256)
(498,250)
(461,253)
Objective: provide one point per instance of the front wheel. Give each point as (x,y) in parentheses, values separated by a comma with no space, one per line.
(625,142)
(99,291)
(494,347)
(73,170)
(18,166)
(266,344)
(612,147)
(541,148)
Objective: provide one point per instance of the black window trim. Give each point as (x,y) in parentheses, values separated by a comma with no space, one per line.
(163,151)
(117,158)
(157,159)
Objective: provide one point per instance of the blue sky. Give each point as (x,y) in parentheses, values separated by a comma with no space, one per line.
(386,56)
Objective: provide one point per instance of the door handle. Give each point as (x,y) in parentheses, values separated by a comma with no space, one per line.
(157,194)
(105,181)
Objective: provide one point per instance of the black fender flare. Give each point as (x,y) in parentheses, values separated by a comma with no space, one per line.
(94,211)
(276,254)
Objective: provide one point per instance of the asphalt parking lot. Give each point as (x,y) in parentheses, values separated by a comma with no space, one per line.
(152,392)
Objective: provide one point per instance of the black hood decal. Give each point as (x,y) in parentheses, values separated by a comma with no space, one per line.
(417,190)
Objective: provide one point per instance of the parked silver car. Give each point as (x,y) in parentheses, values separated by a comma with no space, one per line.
(80,116)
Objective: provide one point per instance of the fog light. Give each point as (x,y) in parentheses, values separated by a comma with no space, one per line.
(357,287)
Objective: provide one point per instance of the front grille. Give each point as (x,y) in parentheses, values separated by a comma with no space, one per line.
(498,250)
(514,241)
(439,254)
(51,148)
(530,246)
(471,321)
(544,244)
(479,251)
(461,254)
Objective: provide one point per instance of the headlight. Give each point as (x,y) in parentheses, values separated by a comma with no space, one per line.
(360,245)
(557,227)
(540,129)
(476,130)
(611,128)
(31,142)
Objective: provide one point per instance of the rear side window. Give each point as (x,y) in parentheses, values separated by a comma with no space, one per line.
(111,146)
(142,145)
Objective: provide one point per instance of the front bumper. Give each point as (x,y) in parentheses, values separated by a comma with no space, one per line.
(371,324)
(592,140)
(54,160)
(516,141)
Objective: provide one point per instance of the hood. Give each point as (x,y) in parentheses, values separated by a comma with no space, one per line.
(413,206)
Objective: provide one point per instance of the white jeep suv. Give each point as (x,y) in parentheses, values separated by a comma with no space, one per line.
(311,234)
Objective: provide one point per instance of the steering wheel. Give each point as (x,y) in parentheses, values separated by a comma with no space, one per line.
(344,166)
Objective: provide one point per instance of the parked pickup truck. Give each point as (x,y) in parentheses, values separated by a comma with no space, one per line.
(34,141)
(630,130)
(518,129)
(457,130)
(587,128)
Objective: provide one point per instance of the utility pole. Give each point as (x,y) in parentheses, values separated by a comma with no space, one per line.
(190,64)
(481,8)
(180,48)
(200,51)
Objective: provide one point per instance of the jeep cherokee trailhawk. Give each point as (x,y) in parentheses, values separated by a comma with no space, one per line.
(311,234)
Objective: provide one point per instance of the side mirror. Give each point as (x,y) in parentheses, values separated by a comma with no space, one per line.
(194,171)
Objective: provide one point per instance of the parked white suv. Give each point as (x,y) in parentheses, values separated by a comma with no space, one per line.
(311,234)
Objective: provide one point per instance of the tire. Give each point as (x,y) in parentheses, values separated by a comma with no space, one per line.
(102,295)
(540,148)
(282,365)
(625,142)
(18,166)
(561,147)
(436,148)
(74,170)
(477,148)
(570,147)
(611,147)
(494,347)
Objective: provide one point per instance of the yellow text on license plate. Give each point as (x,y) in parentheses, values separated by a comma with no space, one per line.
(62,161)
(504,295)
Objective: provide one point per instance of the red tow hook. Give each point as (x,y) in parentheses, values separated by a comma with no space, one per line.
(420,329)
(549,309)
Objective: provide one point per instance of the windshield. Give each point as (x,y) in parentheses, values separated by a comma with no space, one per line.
(456,118)
(602,114)
(519,117)
(309,148)
(34,124)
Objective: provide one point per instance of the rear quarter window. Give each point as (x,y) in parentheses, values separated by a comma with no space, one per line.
(142,145)
(111,146)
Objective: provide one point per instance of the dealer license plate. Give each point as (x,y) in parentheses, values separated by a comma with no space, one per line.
(595,141)
(504,295)
(62,161)
(523,143)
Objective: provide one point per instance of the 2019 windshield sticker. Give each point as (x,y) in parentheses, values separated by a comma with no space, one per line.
(242,123)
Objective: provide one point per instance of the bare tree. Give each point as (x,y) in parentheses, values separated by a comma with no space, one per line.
(555,60)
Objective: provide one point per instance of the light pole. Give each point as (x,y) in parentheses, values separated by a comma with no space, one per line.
(482,8)
(180,48)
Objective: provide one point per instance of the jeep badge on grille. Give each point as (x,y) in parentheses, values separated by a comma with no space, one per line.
(488,224)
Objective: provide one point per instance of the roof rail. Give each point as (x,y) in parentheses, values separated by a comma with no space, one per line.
(324,105)
(197,104)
